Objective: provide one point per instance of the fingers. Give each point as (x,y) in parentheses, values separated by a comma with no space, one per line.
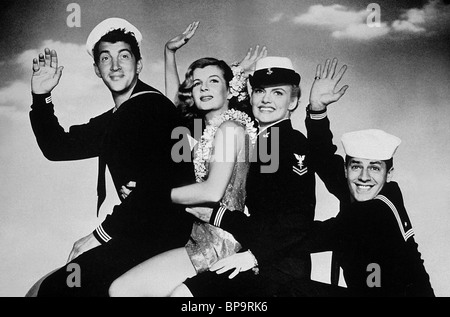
(263,53)
(190,30)
(36,67)
(53,59)
(125,192)
(329,70)
(340,74)
(131,185)
(195,26)
(258,55)
(220,268)
(318,71)
(234,274)
(342,91)
(255,54)
(48,57)
(41,60)
(325,69)
(249,53)
(59,72)
(191,211)
(72,255)
(332,69)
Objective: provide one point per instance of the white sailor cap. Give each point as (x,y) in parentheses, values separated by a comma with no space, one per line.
(370,144)
(107,26)
(274,70)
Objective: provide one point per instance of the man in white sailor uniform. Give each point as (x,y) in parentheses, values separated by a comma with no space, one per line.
(374,236)
(135,141)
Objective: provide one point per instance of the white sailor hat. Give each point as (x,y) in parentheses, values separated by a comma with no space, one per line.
(370,144)
(274,70)
(107,26)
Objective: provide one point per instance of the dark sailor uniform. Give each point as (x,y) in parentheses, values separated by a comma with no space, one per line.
(376,247)
(135,142)
(281,202)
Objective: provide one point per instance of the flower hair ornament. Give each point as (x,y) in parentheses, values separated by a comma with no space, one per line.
(238,85)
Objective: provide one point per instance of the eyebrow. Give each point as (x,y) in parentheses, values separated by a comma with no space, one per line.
(273,89)
(195,79)
(122,50)
(353,161)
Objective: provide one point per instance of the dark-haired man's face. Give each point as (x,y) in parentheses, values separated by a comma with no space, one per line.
(117,66)
(366,178)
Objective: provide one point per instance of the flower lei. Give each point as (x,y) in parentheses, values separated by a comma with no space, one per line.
(238,85)
(206,141)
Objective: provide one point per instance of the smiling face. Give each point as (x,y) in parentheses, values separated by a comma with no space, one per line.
(117,66)
(210,91)
(272,104)
(366,178)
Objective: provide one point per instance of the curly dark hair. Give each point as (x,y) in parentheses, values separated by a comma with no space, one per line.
(118,35)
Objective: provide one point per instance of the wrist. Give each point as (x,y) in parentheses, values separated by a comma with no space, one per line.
(41,98)
(169,51)
(316,114)
(317,106)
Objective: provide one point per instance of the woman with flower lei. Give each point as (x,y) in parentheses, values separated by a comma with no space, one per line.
(209,95)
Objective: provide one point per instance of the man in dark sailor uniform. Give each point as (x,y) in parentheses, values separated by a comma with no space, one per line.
(134,139)
(374,236)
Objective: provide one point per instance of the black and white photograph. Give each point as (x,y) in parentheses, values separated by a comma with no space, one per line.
(230,149)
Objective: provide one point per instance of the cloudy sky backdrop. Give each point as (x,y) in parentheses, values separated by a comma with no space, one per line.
(398,75)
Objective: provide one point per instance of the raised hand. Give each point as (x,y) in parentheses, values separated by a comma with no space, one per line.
(324,91)
(180,40)
(251,58)
(46,73)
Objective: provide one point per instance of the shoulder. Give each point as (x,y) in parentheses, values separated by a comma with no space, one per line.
(231,124)
(388,210)
(231,130)
(153,96)
(152,102)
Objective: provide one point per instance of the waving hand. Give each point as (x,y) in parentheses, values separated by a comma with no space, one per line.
(324,91)
(46,73)
(180,40)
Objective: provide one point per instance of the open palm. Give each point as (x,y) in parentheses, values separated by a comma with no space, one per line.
(180,40)
(324,90)
(249,61)
(46,73)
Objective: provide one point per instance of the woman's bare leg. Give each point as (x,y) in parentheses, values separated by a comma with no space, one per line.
(181,291)
(156,277)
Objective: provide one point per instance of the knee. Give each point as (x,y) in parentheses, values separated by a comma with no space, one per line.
(181,291)
(119,288)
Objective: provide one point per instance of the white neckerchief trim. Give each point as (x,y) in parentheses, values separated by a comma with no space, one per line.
(269,126)
(137,95)
(406,235)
